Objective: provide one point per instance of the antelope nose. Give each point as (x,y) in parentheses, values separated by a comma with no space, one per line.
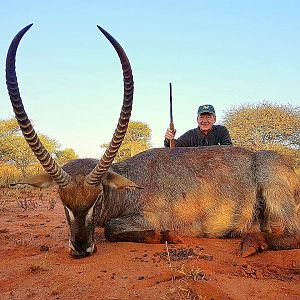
(80,252)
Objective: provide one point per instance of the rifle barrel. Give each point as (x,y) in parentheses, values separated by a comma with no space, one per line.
(171,105)
(172,142)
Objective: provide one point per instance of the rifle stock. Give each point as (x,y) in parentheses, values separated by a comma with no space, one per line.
(172,142)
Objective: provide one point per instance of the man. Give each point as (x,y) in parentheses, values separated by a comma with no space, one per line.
(206,134)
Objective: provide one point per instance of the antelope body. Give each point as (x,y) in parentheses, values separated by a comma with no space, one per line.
(163,193)
(218,191)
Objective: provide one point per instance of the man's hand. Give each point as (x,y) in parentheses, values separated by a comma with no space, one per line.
(170,135)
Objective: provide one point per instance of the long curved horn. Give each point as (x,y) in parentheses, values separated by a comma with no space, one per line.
(47,162)
(95,176)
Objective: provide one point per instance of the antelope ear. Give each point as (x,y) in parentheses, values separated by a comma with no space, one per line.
(117,181)
(41,181)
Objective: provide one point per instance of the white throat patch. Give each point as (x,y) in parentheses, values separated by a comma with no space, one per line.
(89,215)
(71,215)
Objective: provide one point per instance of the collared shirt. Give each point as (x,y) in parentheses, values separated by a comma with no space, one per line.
(218,135)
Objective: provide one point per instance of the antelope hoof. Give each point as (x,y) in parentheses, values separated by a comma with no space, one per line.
(252,243)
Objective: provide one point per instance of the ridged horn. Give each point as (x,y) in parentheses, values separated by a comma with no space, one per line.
(47,162)
(103,165)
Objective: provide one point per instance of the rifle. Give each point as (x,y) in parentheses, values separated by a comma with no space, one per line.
(172,142)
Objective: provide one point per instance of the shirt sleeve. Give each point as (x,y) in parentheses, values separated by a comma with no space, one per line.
(184,140)
(225,138)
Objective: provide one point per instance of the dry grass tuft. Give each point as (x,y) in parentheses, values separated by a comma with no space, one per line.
(27,204)
(180,288)
(29,198)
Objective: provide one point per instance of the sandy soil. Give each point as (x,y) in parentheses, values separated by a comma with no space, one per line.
(35,262)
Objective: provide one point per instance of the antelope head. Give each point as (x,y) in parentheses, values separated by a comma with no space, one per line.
(79,190)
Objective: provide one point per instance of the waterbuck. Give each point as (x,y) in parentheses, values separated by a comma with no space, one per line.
(162,194)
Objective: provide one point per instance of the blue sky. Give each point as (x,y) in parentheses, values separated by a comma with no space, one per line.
(225,53)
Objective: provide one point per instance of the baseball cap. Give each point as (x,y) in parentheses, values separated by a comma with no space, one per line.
(207,108)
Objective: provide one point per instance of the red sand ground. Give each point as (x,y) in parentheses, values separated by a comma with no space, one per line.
(35,263)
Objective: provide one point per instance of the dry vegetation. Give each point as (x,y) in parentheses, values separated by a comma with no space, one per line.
(9,173)
(28,198)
